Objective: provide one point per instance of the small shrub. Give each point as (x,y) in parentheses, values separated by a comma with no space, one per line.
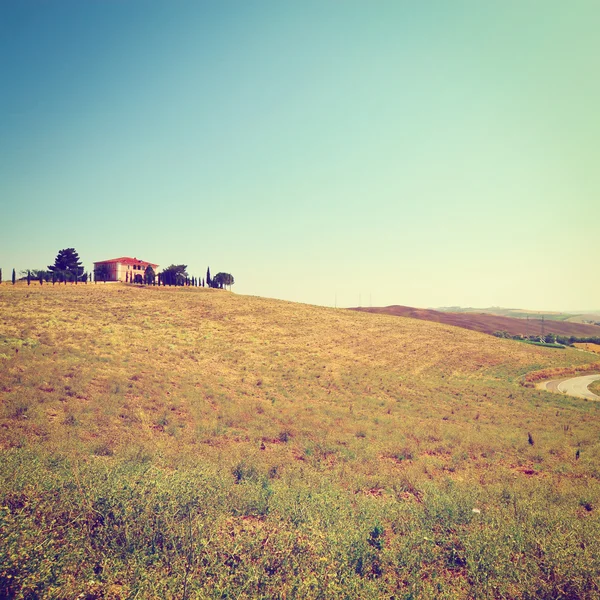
(103,449)
(244,472)
(70,419)
(284,436)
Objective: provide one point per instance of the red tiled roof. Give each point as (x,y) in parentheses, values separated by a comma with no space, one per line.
(126,260)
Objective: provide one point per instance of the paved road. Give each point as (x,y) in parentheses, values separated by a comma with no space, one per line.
(575,386)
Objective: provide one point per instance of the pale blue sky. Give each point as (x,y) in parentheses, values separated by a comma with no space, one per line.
(420,153)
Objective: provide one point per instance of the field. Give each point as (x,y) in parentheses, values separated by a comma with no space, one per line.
(519,313)
(588,347)
(489,323)
(192,443)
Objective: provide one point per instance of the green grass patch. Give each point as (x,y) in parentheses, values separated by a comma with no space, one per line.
(545,344)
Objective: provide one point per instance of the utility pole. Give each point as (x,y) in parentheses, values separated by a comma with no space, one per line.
(543,332)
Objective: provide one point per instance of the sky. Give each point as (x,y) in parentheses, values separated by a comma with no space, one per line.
(431,153)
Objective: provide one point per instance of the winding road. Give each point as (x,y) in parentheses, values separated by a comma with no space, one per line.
(575,386)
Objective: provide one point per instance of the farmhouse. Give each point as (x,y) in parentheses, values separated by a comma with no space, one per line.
(122,269)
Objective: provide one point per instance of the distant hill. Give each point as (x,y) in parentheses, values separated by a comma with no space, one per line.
(490,323)
(590,317)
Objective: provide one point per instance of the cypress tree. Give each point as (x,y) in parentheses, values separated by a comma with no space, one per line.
(28,277)
(41,278)
(14,277)
(208,279)
(0,275)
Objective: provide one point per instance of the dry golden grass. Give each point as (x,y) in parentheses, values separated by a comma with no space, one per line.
(589,347)
(275,401)
(560,373)
(186,366)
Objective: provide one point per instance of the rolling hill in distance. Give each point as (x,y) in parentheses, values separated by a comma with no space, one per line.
(490,323)
(589,317)
(193,443)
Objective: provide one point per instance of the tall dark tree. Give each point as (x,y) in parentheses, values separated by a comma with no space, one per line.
(41,277)
(14,277)
(176,274)
(208,279)
(67,265)
(221,280)
(149,275)
(28,277)
(0,275)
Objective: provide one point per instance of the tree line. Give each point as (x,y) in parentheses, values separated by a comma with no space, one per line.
(68,267)
(550,338)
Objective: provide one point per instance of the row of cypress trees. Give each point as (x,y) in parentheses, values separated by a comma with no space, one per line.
(165,278)
(40,278)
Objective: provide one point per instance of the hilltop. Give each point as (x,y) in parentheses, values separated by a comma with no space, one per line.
(490,323)
(191,442)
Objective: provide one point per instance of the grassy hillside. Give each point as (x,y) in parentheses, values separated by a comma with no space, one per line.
(490,323)
(193,443)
